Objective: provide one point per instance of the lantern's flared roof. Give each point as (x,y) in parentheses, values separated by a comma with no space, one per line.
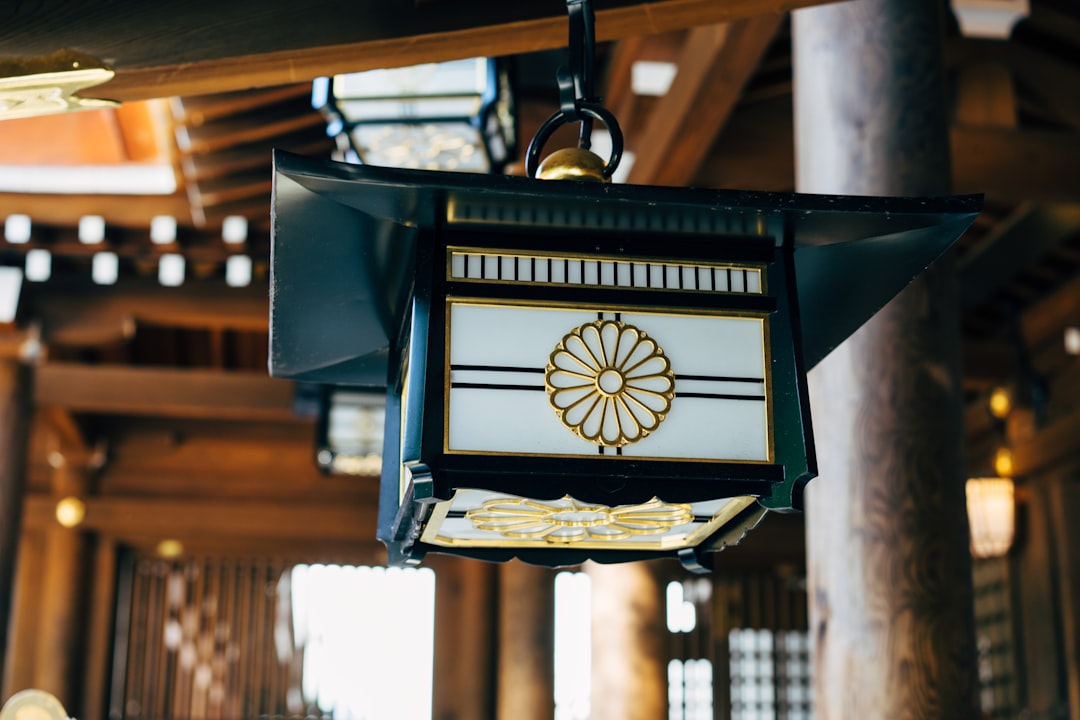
(344,241)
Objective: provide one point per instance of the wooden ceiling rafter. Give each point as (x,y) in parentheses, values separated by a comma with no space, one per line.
(163,392)
(715,64)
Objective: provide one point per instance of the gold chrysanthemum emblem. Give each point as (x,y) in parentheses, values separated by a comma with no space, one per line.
(609,383)
(569,521)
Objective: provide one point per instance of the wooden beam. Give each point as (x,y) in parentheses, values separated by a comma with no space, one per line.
(1011,246)
(714,66)
(1016,164)
(124,390)
(1049,446)
(223,519)
(87,314)
(1045,321)
(122,210)
(258,44)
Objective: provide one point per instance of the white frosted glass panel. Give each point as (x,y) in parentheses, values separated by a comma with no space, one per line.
(738,283)
(492,377)
(525,269)
(491,267)
(558,271)
(543,270)
(574,271)
(623,275)
(720,279)
(519,421)
(507,335)
(698,345)
(708,428)
(509,270)
(474,267)
(753,282)
(656,276)
(641,275)
(672,276)
(457,265)
(522,338)
(705,278)
(592,272)
(689,278)
(752,389)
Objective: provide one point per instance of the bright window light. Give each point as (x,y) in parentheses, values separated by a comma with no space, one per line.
(163,229)
(105,268)
(17,229)
(573,646)
(38,265)
(234,230)
(681,614)
(648,77)
(91,229)
(171,270)
(135,179)
(238,271)
(368,637)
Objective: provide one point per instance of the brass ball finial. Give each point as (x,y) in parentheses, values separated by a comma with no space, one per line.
(572,164)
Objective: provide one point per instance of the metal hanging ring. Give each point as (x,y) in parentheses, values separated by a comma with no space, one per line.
(583,110)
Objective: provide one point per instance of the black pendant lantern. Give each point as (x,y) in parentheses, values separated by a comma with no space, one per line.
(456,115)
(577,370)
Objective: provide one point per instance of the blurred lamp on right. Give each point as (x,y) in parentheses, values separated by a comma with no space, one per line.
(991,515)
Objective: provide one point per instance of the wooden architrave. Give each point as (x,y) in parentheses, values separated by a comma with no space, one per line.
(258,44)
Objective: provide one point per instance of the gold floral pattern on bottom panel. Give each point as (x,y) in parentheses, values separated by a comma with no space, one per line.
(567,520)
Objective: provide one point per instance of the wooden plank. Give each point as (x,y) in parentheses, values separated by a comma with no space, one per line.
(714,66)
(121,210)
(1011,246)
(1053,444)
(1008,165)
(124,390)
(188,519)
(1016,164)
(86,314)
(197,49)
(1045,321)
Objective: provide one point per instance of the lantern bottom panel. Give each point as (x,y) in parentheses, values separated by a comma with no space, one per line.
(485,519)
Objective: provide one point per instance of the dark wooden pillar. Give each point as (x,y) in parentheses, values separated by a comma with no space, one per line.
(59,661)
(465,622)
(888,561)
(526,674)
(14,424)
(629,642)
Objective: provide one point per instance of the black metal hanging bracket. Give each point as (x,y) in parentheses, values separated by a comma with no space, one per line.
(577,102)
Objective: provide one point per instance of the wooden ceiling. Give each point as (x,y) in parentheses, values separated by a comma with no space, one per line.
(240,85)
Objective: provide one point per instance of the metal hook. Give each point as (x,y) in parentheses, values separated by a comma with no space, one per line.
(576,100)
